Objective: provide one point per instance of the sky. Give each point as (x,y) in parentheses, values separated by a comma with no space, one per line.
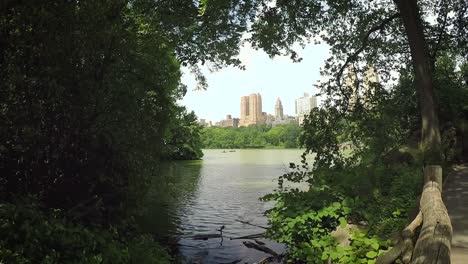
(272,78)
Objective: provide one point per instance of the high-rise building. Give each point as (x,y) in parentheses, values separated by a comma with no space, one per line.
(351,83)
(278,110)
(304,105)
(370,81)
(251,110)
(244,111)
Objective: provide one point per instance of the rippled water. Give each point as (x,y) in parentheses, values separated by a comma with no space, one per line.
(193,198)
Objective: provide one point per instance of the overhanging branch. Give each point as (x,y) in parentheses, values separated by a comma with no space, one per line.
(365,42)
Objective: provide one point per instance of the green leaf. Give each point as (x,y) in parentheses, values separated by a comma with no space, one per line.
(346,210)
(371,254)
(375,246)
(202,7)
(342,222)
(315,243)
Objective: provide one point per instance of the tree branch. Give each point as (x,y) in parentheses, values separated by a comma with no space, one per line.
(365,42)
(404,244)
(441,34)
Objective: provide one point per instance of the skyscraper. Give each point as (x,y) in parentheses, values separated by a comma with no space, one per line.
(304,105)
(351,83)
(278,110)
(244,111)
(361,94)
(251,110)
(371,81)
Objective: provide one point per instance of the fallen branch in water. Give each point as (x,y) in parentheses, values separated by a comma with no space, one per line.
(267,260)
(260,248)
(205,236)
(249,236)
(248,223)
(258,242)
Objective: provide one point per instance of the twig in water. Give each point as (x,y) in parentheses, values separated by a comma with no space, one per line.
(247,223)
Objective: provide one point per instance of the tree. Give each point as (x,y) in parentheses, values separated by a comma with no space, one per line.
(370,32)
(65,100)
(85,87)
(182,140)
(85,91)
(385,34)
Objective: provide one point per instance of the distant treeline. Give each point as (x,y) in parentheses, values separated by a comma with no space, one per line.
(260,136)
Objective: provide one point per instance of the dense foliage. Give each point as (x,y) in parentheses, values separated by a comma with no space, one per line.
(84,111)
(366,175)
(51,238)
(182,140)
(260,136)
(88,93)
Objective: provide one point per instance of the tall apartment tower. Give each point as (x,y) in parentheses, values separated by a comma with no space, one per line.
(244,111)
(278,110)
(371,80)
(361,94)
(251,110)
(304,105)
(351,83)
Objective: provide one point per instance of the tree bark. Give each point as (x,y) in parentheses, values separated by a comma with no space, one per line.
(430,134)
(433,244)
(403,247)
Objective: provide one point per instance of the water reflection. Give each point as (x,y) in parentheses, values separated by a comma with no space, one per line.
(196,198)
(174,187)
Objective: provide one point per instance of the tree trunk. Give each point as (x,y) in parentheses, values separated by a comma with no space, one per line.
(433,244)
(430,134)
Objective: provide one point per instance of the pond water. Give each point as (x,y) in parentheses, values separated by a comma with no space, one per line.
(192,198)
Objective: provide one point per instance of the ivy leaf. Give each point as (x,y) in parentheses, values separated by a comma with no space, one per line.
(371,254)
(342,222)
(346,210)
(315,243)
(202,8)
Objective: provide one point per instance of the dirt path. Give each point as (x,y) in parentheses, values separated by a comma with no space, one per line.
(455,196)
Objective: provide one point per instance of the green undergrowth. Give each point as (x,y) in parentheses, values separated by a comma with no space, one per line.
(31,235)
(369,202)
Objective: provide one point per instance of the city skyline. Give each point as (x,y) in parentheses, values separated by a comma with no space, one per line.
(251,112)
(272,78)
(244,103)
(269,105)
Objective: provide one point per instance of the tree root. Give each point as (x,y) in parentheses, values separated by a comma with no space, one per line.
(404,244)
(433,243)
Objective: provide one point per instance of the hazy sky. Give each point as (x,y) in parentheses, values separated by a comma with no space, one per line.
(279,77)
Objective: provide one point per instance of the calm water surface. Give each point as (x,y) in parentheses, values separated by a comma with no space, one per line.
(197,197)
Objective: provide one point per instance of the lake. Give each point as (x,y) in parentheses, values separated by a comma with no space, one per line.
(192,198)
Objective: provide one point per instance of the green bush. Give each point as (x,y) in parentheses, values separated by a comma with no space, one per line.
(360,187)
(298,221)
(32,236)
